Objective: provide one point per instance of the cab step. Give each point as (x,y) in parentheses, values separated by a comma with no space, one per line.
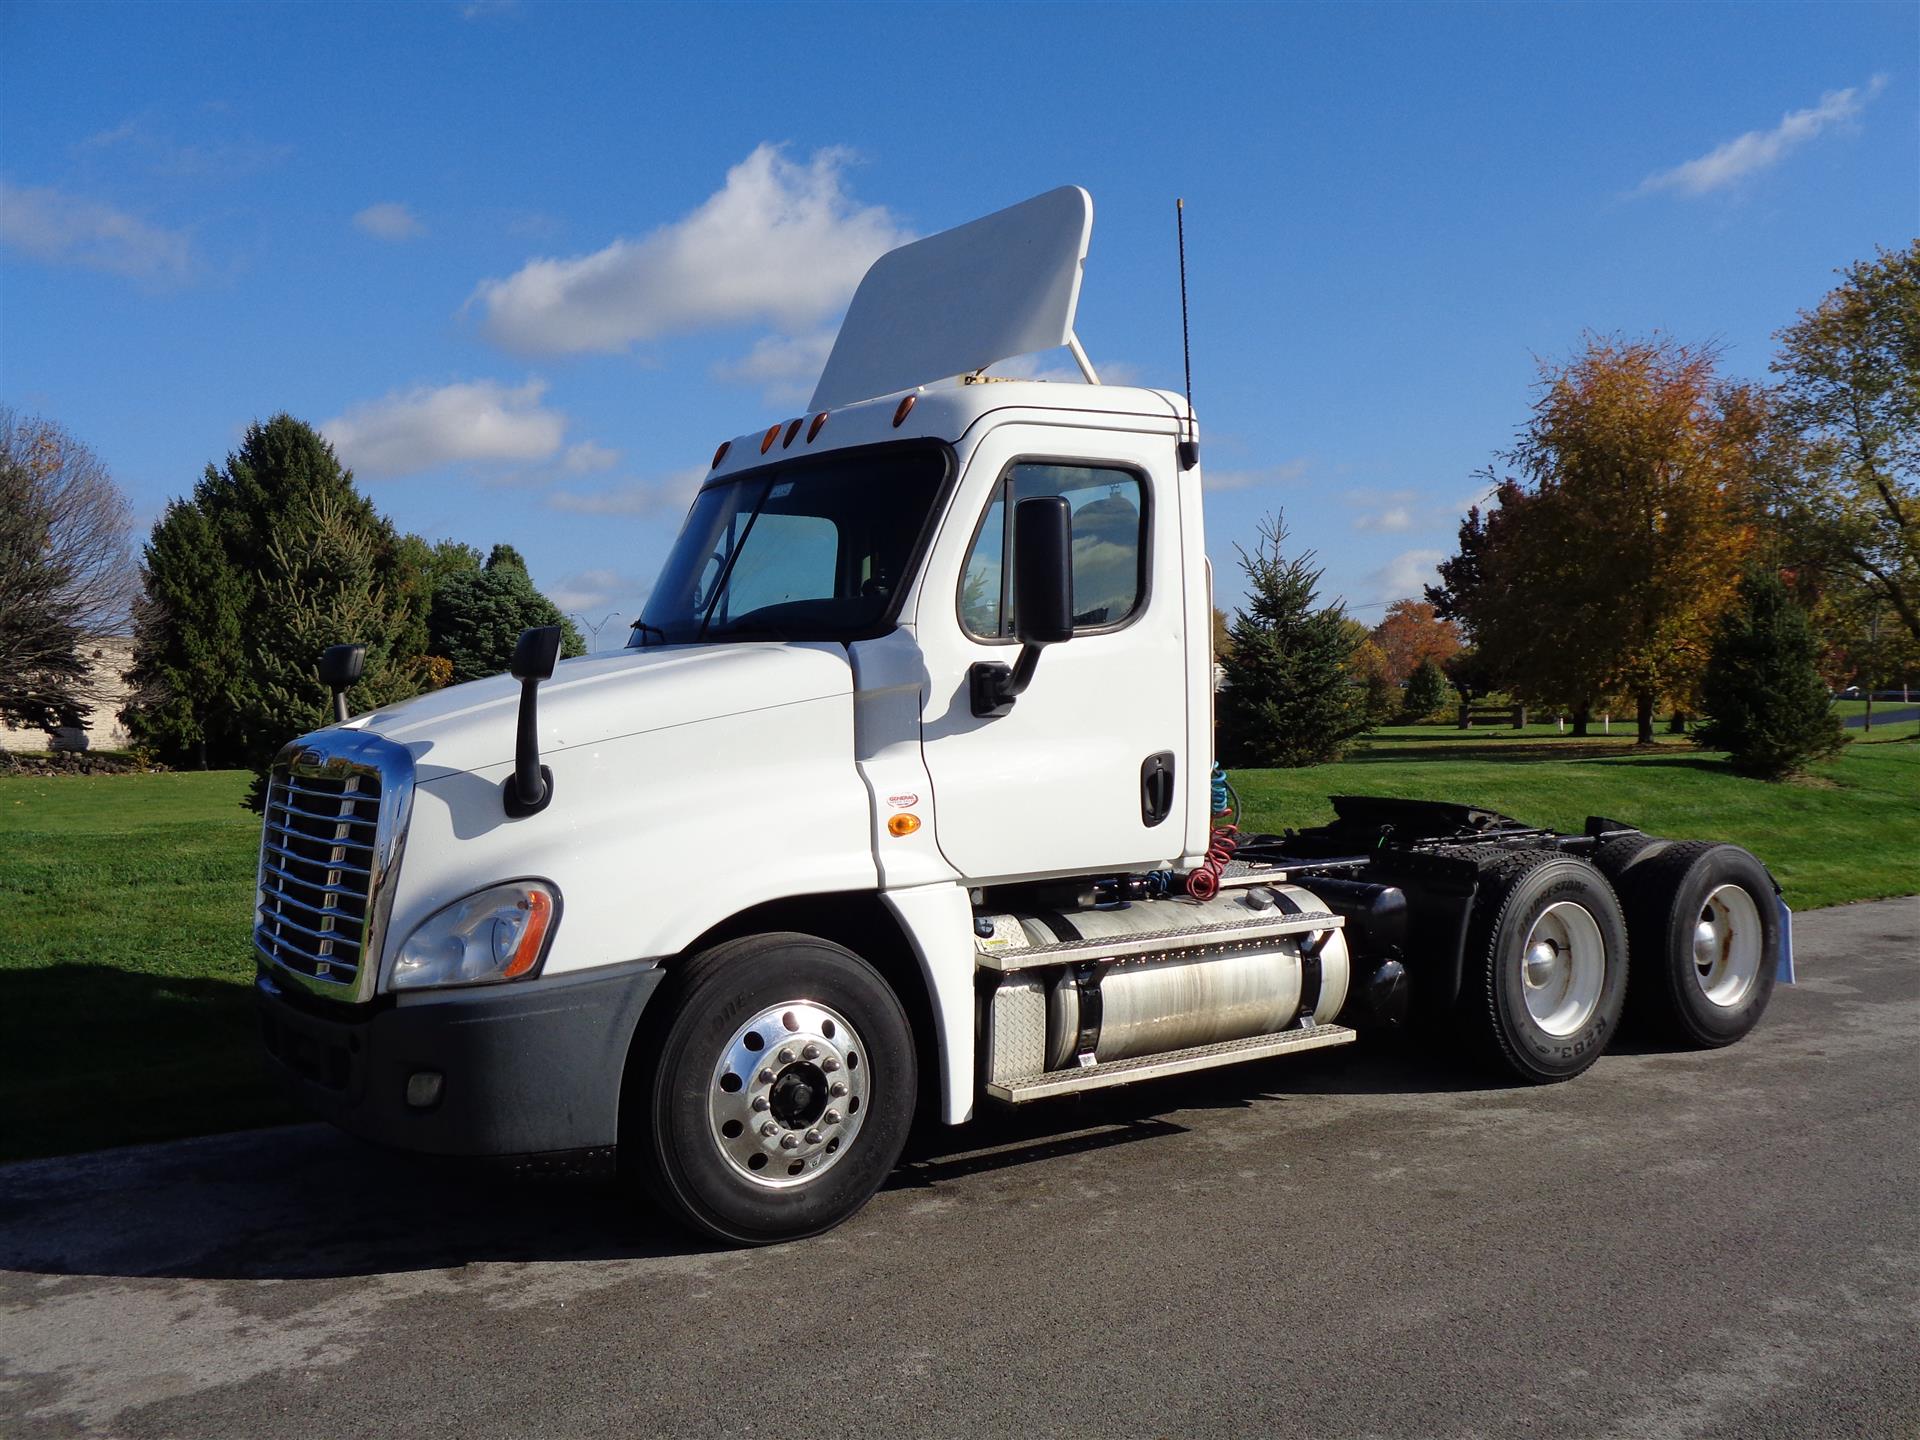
(1021,1089)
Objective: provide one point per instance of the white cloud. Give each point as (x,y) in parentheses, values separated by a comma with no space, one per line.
(585,457)
(63,229)
(670,494)
(1405,574)
(785,367)
(592,593)
(1758,149)
(1288,472)
(781,243)
(477,421)
(390,220)
(221,158)
(1394,520)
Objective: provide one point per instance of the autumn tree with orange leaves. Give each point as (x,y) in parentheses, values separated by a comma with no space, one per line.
(1410,633)
(1604,566)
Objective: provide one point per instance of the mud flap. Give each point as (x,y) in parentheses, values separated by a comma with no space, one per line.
(1783,970)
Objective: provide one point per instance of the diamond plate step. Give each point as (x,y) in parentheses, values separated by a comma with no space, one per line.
(1175,1062)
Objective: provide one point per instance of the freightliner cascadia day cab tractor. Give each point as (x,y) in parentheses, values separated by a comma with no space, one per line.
(901,801)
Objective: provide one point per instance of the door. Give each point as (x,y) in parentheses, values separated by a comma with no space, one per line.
(1080,775)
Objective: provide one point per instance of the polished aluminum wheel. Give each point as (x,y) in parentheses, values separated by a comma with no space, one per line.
(789,1094)
(1728,946)
(1563,966)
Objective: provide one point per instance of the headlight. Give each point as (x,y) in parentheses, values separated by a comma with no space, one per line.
(494,934)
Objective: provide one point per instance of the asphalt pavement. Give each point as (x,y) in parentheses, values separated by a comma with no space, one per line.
(1886,715)
(1354,1243)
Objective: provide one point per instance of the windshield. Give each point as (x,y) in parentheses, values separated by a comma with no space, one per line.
(811,551)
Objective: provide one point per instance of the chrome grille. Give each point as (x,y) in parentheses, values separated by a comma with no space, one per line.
(335,818)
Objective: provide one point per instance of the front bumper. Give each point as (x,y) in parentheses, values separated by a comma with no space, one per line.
(528,1068)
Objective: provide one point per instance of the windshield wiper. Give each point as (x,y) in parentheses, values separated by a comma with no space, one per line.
(645,629)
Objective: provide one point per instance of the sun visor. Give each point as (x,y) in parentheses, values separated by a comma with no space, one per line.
(1006,284)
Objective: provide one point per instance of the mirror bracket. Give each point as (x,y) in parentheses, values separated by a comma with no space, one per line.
(992,686)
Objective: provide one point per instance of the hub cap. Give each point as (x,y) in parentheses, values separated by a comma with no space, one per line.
(1727,944)
(789,1094)
(1562,967)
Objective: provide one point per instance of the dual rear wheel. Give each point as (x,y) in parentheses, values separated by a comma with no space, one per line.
(1680,939)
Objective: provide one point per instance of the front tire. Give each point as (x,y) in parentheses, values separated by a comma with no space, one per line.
(1546,965)
(779,1091)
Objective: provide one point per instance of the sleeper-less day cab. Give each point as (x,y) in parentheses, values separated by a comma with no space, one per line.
(901,801)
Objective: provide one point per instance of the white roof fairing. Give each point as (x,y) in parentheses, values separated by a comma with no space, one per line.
(1000,286)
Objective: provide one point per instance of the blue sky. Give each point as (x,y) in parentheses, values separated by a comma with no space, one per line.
(528,263)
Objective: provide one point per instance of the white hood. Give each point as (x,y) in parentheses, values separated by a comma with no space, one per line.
(599,698)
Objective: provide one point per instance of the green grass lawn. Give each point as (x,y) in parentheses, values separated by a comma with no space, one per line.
(124,943)
(124,969)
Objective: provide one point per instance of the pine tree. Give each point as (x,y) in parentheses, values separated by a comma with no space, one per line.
(1426,691)
(478,614)
(217,650)
(1290,699)
(1765,702)
(190,648)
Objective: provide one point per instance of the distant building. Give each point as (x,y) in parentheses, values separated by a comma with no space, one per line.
(111,656)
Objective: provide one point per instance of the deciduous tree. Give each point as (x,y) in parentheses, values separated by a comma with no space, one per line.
(1604,572)
(1850,387)
(65,571)
(1412,631)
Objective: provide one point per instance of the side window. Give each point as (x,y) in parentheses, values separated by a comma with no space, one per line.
(1109,545)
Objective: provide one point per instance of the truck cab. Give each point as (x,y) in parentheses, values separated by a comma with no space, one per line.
(899,801)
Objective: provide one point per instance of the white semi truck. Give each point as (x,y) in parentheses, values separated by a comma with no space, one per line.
(901,802)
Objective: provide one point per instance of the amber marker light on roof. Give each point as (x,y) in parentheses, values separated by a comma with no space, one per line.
(792,430)
(906,408)
(720,454)
(766,443)
(814,428)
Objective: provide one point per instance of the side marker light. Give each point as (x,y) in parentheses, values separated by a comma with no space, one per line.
(773,433)
(720,454)
(900,825)
(906,408)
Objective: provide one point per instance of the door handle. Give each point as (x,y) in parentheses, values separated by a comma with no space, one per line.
(1156,788)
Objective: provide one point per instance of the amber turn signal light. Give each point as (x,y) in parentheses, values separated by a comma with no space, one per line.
(903,825)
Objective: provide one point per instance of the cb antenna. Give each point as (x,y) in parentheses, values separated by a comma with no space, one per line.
(1189,447)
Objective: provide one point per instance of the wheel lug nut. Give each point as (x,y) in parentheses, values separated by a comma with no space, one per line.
(769,1129)
(759,1102)
(786,1056)
(829,1065)
(811,1052)
(813,1137)
(789,1141)
(839,1089)
(832,1117)
(767,1077)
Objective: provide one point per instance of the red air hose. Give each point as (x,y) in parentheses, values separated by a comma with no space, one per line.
(1204,883)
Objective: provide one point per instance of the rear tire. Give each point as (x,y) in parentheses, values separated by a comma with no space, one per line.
(1546,965)
(775,1095)
(1705,927)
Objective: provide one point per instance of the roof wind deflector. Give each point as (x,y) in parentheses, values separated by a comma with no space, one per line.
(1007,284)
